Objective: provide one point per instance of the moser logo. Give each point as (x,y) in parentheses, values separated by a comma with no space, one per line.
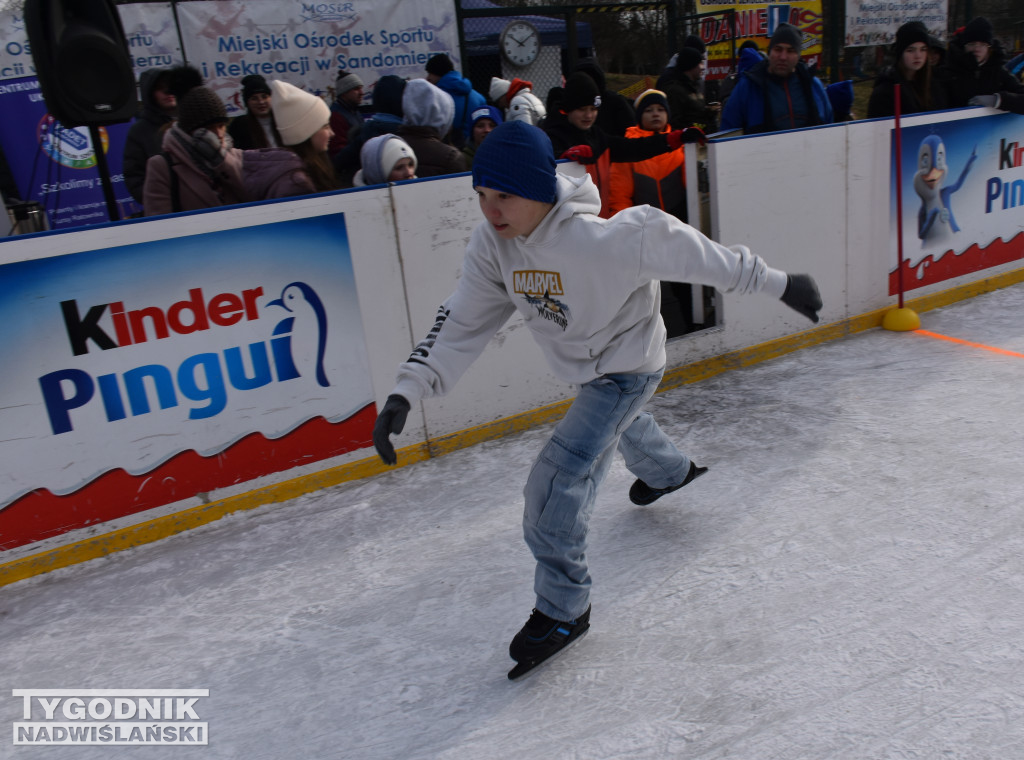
(329,11)
(204,378)
(111,716)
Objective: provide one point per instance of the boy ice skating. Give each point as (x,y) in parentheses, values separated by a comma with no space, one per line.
(587,288)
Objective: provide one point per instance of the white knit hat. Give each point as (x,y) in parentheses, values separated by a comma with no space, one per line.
(498,88)
(394,151)
(379,156)
(297,113)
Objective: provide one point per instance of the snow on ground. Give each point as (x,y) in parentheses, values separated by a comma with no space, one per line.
(846,582)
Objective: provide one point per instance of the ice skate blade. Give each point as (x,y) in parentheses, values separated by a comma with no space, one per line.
(522,669)
(650,495)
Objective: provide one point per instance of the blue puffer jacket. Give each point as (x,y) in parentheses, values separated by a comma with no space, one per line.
(800,101)
(466,100)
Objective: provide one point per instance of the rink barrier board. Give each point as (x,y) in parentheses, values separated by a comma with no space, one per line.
(407,243)
(163,527)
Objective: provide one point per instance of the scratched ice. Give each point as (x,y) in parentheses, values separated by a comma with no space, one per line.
(846,582)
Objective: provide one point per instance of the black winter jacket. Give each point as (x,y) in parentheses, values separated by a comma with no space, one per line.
(964,78)
(145,136)
(686,104)
(883,96)
(564,135)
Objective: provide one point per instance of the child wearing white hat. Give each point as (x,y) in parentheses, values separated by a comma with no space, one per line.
(386,158)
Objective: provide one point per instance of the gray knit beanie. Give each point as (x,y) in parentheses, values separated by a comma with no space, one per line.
(786,34)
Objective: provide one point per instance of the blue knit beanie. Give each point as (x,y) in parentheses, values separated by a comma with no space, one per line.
(486,112)
(517,158)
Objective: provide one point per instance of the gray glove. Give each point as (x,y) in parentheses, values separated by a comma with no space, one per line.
(390,420)
(802,294)
(209,147)
(989,101)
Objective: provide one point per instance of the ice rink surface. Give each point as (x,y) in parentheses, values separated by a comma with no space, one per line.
(846,582)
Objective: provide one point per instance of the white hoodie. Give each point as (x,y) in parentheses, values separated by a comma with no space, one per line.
(586,287)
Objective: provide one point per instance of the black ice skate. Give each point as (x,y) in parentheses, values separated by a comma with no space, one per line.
(543,637)
(642,494)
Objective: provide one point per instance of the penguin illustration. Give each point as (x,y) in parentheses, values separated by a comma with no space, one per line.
(301,300)
(935,220)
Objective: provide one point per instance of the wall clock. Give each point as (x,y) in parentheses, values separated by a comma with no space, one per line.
(520,43)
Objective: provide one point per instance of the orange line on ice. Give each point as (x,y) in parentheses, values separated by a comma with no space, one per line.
(969,343)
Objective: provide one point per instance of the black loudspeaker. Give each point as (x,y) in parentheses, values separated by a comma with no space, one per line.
(82,61)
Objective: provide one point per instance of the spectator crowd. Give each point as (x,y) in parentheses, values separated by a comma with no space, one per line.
(183,152)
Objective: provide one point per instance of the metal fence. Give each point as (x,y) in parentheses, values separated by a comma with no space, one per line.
(542,44)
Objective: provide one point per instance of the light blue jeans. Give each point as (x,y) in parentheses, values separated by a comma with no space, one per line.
(562,486)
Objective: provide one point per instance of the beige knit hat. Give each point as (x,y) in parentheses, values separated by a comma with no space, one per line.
(298,114)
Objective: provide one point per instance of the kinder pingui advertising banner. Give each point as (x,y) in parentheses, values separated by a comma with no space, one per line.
(963,198)
(199,361)
(757,21)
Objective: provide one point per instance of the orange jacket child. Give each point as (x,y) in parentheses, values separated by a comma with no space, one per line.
(576,136)
(657,181)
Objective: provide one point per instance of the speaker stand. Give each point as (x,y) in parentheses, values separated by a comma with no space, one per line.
(104,170)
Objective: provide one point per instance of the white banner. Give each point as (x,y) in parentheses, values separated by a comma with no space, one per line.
(152,36)
(302,43)
(149,30)
(306,43)
(15,51)
(874,22)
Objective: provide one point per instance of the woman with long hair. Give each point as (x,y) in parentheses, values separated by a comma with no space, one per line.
(255,128)
(302,165)
(919,89)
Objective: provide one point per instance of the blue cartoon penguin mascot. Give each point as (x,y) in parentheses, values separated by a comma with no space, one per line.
(935,220)
(303,303)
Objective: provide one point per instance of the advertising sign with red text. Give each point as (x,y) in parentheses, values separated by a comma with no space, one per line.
(962,196)
(757,21)
(200,362)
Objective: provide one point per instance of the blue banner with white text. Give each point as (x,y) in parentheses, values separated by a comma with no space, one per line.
(56,166)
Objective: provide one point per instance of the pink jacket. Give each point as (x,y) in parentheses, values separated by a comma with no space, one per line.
(275,173)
